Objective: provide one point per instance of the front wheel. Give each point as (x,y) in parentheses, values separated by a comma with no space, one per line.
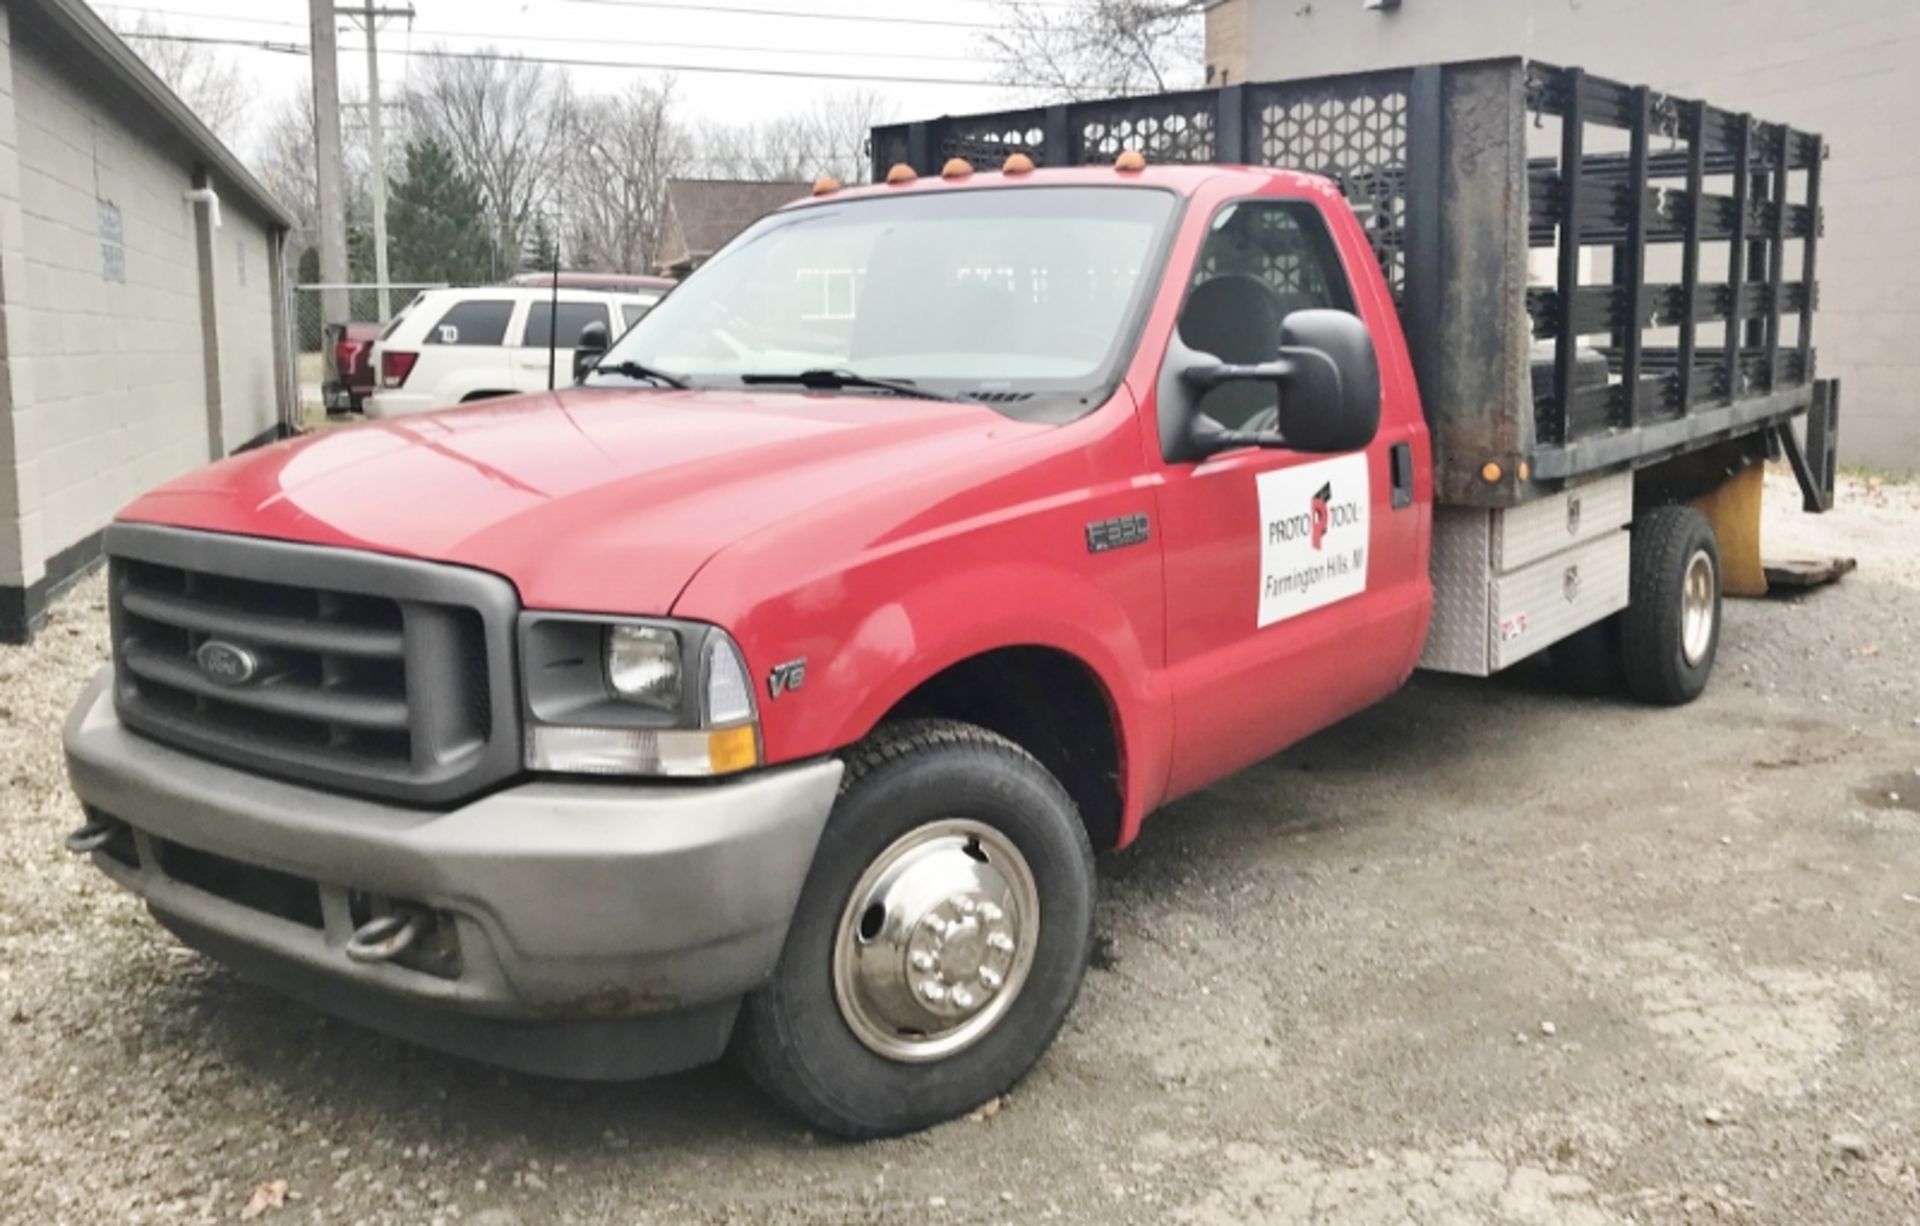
(939,941)
(1670,632)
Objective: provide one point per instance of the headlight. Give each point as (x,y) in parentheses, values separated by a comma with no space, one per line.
(643,665)
(633,697)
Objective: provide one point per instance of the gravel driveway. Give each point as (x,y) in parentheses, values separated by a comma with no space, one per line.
(1483,954)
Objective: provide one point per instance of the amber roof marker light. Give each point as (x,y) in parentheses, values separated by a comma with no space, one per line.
(956,168)
(1130,160)
(900,172)
(825,185)
(1017,164)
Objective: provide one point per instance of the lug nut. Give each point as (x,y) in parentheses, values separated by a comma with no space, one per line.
(962,998)
(990,979)
(991,914)
(933,992)
(921,961)
(1001,942)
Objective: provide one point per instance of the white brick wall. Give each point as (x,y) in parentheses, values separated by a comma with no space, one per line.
(108,383)
(243,294)
(1844,68)
(14,510)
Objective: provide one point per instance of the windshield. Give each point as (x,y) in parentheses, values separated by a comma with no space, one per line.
(989,292)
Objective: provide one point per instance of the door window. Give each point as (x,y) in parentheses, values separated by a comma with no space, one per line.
(1262,261)
(481,321)
(570,317)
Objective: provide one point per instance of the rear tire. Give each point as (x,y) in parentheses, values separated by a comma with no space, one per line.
(928,809)
(1670,632)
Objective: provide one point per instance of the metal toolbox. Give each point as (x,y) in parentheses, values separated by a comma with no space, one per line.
(1507,583)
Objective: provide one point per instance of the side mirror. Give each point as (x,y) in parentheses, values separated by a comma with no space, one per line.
(1329,383)
(589,349)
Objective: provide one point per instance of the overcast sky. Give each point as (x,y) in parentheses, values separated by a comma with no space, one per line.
(864,40)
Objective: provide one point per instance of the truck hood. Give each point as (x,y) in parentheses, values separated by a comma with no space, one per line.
(592,500)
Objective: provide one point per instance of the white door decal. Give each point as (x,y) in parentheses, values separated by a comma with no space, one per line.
(1314,536)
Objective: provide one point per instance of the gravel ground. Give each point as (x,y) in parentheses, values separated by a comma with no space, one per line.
(1483,954)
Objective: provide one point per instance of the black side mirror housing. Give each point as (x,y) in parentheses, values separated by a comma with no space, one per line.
(1333,403)
(1329,381)
(589,349)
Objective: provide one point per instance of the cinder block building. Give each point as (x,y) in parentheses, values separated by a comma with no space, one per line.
(142,309)
(1845,70)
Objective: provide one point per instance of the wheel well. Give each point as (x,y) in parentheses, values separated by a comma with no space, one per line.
(470,397)
(1050,704)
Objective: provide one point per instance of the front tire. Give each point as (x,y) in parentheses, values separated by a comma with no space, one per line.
(939,941)
(1670,633)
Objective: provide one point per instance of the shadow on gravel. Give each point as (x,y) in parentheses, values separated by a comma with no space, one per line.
(1438,729)
(383,1088)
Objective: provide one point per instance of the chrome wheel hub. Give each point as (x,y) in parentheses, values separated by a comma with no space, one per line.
(1697,607)
(936,941)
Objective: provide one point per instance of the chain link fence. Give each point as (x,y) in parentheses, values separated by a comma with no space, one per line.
(309,329)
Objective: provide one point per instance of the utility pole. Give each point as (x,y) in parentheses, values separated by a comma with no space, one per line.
(369,18)
(330,170)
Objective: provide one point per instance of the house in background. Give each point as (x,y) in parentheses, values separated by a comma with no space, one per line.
(1844,70)
(703,215)
(142,306)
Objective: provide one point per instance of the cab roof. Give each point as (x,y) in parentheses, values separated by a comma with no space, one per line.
(1184,180)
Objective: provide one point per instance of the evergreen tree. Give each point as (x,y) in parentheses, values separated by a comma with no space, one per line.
(542,253)
(436,222)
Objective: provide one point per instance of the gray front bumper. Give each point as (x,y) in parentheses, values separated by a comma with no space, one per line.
(604,929)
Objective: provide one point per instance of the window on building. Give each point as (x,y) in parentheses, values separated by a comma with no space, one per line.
(480,322)
(113,243)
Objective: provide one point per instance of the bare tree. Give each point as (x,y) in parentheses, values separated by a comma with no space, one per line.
(211,85)
(507,123)
(284,158)
(621,154)
(1101,49)
(827,138)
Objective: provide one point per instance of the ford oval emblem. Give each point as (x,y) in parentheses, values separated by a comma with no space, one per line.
(226,663)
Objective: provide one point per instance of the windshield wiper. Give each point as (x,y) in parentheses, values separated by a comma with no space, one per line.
(634,370)
(824,380)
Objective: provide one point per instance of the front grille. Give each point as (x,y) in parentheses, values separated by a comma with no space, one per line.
(364,672)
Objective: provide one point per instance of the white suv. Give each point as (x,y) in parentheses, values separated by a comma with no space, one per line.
(449,346)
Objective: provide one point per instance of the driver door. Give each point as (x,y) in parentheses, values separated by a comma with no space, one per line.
(1274,563)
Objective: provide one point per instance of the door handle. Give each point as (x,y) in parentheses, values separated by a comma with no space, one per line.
(1400,470)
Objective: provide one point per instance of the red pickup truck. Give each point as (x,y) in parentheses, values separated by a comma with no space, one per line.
(347,376)
(773,689)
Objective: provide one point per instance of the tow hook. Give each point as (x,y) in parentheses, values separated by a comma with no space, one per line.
(90,838)
(384,938)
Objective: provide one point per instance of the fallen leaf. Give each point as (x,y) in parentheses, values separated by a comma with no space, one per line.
(269,1195)
(1867,649)
(986,1110)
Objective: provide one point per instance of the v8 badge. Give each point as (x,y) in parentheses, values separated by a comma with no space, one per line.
(787,677)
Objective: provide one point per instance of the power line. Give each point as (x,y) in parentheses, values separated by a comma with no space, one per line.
(209,40)
(443,53)
(489,36)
